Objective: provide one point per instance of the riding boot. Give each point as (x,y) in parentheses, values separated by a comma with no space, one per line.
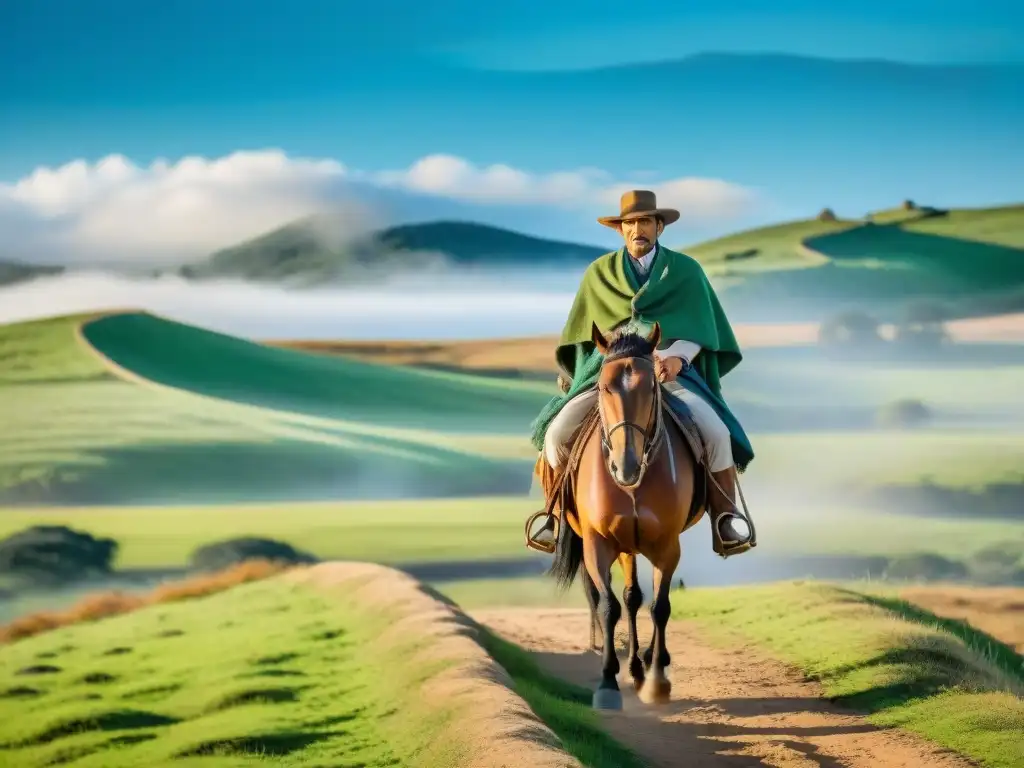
(544,538)
(731,532)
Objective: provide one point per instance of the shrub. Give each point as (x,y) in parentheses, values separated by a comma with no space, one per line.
(105,604)
(853,328)
(223,554)
(55,554)
(925,566)
(904,414)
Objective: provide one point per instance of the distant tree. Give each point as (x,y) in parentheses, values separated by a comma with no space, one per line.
(904,414)
(224,554)
(923,326)
(908,205)
(826,214)
(925,566)
(853,328)
(55,554)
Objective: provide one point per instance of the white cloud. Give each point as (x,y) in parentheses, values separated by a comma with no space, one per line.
(591,189)
(116,211)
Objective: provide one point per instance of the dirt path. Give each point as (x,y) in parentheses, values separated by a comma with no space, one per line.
(728,708)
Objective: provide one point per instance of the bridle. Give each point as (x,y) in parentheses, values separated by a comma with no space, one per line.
(652,433)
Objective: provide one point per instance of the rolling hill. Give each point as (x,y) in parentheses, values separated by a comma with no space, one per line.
(16,272)
(969,260)
(133,408)
(307,251)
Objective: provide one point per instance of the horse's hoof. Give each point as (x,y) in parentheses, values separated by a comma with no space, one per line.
(607,698)
(656,691)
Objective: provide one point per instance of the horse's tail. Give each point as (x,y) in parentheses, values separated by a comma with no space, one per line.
(568,556)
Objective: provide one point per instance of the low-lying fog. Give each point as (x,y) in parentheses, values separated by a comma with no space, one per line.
(427,305)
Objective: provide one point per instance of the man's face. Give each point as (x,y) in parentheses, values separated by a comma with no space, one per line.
(640,234)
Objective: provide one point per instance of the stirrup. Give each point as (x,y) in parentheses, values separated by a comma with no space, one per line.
(550,524)
(724,549)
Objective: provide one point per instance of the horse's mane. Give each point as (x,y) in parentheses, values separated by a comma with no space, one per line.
(629,344)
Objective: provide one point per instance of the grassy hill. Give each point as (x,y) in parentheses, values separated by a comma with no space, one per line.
(184,415)
(226,419)
(344,665)
(308,251)
(970,260)
(14,272)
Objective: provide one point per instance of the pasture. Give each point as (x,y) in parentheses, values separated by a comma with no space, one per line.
(358,665)
(166,437)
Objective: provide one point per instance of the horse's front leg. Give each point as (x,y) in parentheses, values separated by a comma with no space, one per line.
(633,597)
(598,557)
(657,688)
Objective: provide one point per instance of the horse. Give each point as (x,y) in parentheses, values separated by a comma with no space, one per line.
(638,486)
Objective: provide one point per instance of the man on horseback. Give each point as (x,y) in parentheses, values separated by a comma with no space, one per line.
(638,285)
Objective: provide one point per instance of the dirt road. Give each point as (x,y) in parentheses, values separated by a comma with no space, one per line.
(729,707)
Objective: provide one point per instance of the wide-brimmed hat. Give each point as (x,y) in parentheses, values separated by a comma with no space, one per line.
(638,203)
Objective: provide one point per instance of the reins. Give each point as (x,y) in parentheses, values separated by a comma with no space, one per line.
(653,436)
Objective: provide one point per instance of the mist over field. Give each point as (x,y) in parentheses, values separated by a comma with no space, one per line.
(428,304)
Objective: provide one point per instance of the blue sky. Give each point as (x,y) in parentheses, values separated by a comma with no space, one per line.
(378,86)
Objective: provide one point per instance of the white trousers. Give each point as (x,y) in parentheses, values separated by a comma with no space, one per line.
(716,435)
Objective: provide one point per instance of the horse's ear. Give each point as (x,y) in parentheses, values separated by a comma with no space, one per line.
(598,338)
(654,337)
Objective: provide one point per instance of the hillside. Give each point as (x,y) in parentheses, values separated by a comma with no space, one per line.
(312,250)
(153,411)
(969,260)
(14,272)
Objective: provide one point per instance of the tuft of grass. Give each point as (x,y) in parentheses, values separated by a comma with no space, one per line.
(106,604)
(565,707)
(900,666)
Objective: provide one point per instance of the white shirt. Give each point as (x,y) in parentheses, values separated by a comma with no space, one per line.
(681,348)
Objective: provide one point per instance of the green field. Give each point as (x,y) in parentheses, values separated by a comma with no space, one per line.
(476,529)
(332,679)
(284,425)
(235,438)
(276,424)
(970,259)
(960,689)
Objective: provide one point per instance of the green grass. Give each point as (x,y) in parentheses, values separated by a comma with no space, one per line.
(967,257)
(479,528)
(74,434)
(378,531)
(1001,226)
(901,666)
(777,246)
(566,708)
(267,670)
(229,368)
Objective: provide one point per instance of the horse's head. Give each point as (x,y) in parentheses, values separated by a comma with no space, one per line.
(627,401)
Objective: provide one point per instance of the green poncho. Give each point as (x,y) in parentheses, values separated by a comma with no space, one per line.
(678,295)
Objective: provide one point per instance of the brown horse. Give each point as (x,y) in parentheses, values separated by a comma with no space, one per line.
(638,486)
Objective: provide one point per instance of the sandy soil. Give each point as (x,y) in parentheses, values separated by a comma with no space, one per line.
(730,707)
(999,611)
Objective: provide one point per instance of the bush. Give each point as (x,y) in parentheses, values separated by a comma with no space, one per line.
(55,554)
(925,567)
(904,414)
(923,326)
(224,554)
(1000,563)
(853,328)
